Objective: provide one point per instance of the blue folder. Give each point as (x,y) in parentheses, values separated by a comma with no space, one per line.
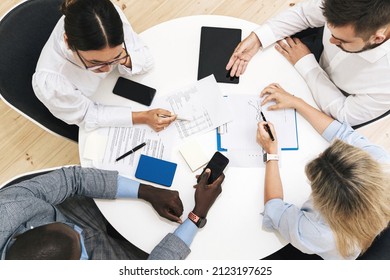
(155,170)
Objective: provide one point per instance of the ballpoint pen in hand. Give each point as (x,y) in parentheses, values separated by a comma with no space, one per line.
(136,148)
(267,127)
(178,117)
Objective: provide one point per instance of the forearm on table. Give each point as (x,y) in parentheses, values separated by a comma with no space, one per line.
(139,117)
(56,186)
(128,188)
(272,184)
(353,109)
(291,21)
(324,91)
(319,120)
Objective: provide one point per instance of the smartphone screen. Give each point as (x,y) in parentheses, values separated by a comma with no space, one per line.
(134,91)
(216,164)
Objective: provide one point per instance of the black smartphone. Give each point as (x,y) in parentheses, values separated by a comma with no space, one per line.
(134,91)
(216,164)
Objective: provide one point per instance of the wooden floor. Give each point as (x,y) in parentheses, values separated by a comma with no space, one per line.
(25,147)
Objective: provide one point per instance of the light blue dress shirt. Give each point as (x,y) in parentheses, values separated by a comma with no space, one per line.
(128,188)
(84,254)
(304,227)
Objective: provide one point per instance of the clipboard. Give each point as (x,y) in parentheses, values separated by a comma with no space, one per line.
(216,47)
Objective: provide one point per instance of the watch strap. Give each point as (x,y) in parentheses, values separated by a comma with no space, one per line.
(267,157)
(198,221)
(193,217)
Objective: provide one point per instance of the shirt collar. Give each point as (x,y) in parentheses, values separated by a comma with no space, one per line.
(84,254)
(377,53)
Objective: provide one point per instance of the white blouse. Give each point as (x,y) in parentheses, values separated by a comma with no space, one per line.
(65,87)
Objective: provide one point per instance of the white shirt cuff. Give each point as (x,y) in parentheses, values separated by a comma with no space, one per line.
(306,64)
(265,35)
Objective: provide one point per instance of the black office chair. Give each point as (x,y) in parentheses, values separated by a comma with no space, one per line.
(23,33)
(379,250)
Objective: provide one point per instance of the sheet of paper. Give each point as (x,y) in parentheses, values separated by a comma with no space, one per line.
(201,102)
(95,146)
(239,136)
(120,140)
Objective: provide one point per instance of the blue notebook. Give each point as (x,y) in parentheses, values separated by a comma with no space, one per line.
(155,170)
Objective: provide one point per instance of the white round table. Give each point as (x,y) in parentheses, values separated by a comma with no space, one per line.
(234,228)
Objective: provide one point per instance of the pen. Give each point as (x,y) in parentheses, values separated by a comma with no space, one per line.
(180,118)
(267,127)
(136,148)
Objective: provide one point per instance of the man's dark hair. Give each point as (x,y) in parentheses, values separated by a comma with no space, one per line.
(366,16)
(49,242)
(92,24)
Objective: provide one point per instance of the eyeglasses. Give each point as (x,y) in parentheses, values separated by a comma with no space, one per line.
(96,66)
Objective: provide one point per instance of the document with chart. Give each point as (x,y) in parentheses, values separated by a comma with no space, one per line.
(201,103)
(238,138)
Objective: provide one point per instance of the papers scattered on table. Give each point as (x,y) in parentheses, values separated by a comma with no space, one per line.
(201,102)
(238,138)
(115,141)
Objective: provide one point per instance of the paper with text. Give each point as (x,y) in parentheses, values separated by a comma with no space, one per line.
(201,102)
(239,136)
(120,140)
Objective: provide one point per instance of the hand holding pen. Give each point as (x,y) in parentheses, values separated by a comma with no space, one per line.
(153,119)
(267,128)
(263,137)
(178,117)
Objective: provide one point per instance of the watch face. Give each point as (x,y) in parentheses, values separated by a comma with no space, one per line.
(201,223)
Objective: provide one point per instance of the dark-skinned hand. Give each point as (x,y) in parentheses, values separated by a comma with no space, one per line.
(205,194)
(167,203)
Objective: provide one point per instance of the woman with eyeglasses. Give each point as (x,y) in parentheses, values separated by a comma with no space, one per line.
(88,42)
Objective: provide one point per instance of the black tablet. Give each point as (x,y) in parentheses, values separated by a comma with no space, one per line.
(216,47)
(134,91)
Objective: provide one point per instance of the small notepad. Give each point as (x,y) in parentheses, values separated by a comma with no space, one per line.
(193,154)
(156,170)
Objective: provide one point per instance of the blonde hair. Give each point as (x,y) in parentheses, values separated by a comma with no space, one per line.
(350,189)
